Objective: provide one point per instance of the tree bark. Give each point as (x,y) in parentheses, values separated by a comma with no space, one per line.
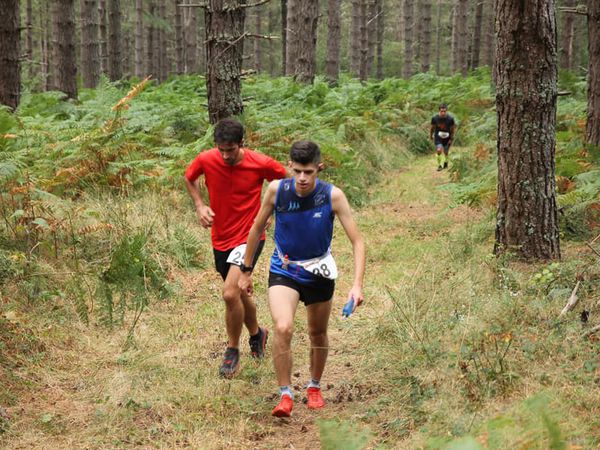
(476,47)
(29,45)
(191,40)
(271,31)
(90,49)
(149,62)
(380,31)
(257,41)
(284,25)
(164,45)
(10,44)
(46,22)
(103,36)
(371,34)
(139,38)
(334,18)
(566,51)
(224,21)
(488,34)
(526,220)
(425,36)
(156,61)
(63,47)
(593,106)
(460,37)
(307,21)
(355,37)
(438,37)
(179,63)
(408,38)
(292,37)
(364,43)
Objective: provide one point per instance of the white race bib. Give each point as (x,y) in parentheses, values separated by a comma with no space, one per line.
(236,256)
(323,267)
(443,134)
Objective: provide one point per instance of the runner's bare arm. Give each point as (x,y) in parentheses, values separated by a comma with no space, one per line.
(260,223)
(341,208)
(204,213)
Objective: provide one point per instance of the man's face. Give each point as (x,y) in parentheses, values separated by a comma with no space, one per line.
(443,112)
(230,152)
(305,175)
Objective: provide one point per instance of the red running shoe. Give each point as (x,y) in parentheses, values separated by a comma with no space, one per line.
(315,399)
(284,409)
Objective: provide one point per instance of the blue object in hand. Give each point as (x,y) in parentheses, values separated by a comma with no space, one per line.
(348,307)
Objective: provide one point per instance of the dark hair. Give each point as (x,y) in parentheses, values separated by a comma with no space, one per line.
(305,152)
(443,106)
(229,130)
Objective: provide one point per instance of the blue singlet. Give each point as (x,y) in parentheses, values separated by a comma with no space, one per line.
(303,228)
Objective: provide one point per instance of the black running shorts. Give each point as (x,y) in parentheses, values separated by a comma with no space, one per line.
(319,291)
(222,265)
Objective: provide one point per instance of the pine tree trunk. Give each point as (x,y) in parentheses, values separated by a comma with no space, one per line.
(476,47)
(29,37)
(292,37)
(139,38)
(284,24)
(257,41)
(417,30)
(372,34)
(355,38)
(179,63)
(90,49)
(10,43)
(566,52)
(103,36)
(593,106)
(154,11)
(149,37)
(46,20)
(438,37)
(425,36)
(224,58)
(306,24)
(334,19)
(526,220)
(364,43)
(408,38)
(488,34)
(164,57)
(380,31)
(127,39)
(63,47)
(191,40)
(460,37)
(271,31)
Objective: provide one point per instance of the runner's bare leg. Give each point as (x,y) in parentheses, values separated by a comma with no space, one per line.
(283,302)
(318,320)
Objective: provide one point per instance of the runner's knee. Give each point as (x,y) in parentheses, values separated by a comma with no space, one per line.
(284,329)
(317,335)
(231,295)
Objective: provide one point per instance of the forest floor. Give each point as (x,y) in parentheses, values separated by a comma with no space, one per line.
(88,391)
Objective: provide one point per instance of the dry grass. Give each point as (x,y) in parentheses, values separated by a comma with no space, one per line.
(394,368)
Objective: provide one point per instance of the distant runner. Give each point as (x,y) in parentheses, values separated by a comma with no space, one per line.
(442,131)
(302,268)
(234,177)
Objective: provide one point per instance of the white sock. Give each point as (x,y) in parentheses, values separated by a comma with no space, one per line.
(285,390)
(314,383)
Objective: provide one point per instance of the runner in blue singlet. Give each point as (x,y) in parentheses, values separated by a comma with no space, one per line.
(302,267)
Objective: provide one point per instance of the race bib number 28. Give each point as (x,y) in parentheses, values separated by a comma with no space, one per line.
(236,256)
(324,267)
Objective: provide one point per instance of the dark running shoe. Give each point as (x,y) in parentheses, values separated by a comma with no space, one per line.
(231,363)
(445,165)
(258,343)
(439,168)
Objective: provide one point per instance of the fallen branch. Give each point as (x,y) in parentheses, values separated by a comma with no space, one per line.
(592,331)
(581,10)
(573,299)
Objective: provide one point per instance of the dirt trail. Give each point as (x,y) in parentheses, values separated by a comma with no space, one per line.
(164,392)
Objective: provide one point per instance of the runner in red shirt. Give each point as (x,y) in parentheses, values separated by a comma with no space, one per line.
(234,177)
